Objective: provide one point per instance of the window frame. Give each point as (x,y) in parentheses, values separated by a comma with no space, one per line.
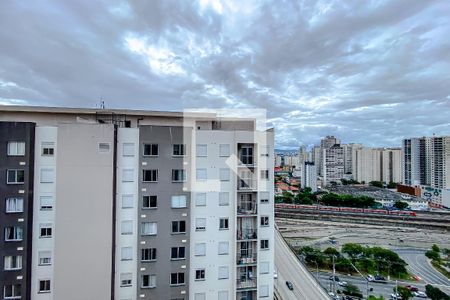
(151,148)
(16,201)
(150,199)
(154,225)
(47,149)
(45,291)
(180,253)
(178,226)
(200,274)
(179,275)
(16,176)
(224,223)
(152,254)
(179,175)
(18,151)
(264,221)
(150,277)
(181,149)
(154,174)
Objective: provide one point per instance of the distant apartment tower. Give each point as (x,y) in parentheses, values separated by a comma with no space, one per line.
(426,161)
(333,164)
(309,176)
(122,204)
(377,164)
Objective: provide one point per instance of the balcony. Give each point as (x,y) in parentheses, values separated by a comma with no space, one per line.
(246,258)
(247,208)
(247,234)
(247,184)
(246,283)
(246,295)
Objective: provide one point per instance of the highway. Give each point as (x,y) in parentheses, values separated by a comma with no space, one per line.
(290,269)
(418,264)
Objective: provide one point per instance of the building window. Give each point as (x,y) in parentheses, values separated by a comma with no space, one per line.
(179,175)
(224,174)
(224,150)
(148,254)
(104,147)
(223,272)
(264,197)
(264,221)
(179,201)
(126,279)
(264,244)
(222,295)
(14,205)
(45,230)
(12,262)
(202,150)
(48,148)
(149,228)
(127,175)
(46,202)
(149,201)
(200,296)
(15,176)
(47,175)
(179,150)
(223,224)
(200,224)
(200,249)
(224,248)
(127,227)
(16,149)
(178,226)
(264,174)
(263,291)
(264,267)
(128,149)
(126,253)
(200,199)
(148,281)
(13,233)
(45,258)
(44,286)
(12,291)
(177,279)
(151,150)
(178,253)
(150,175)
(201,175)
(200,274)
(224,198)
(127,201)
(246,155)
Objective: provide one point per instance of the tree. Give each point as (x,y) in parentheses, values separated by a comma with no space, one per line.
(435,294)
(352,290)
(433,255)
(376,184)
(331,251)
(404,292)
(435,248)
(401,205)
(392,185)
(353,250)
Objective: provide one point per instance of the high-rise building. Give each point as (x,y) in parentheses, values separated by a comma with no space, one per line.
(391,165)
(121,204)
(333,164)
(316,154)
(309,176)
(426,161)
(377,164)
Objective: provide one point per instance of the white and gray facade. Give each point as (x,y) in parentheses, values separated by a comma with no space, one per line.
(121,204)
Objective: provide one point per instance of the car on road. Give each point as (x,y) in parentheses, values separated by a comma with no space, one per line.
(290,285)
(343,283)
(335,278)
(379,278)
(370,278)
(412,288)
(396,297)
(420,294)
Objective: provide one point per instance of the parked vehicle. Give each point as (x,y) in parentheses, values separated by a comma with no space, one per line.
(370,278)
(335,278)
(290,285)
(396,297)
(343,283)
(420,294)
(412,288)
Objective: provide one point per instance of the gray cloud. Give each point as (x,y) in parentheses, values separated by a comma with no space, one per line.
(370,72)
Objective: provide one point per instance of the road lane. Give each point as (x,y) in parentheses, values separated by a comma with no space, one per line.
(290,269)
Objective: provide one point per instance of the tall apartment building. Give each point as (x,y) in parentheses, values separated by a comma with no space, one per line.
(377,164)
(426,161)
(309,176)
(121,204)
(333,164)
(391,165)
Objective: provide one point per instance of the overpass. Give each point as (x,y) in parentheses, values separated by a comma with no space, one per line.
(290,269)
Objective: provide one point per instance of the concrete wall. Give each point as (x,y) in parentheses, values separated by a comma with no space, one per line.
(83,219)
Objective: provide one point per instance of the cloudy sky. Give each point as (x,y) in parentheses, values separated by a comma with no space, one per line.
(366,71)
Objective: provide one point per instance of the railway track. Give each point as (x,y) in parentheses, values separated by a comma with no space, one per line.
(333,216)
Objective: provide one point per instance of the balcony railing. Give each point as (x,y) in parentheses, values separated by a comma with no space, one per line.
(247,234)
(244,259)
(246,283)
(247,184)
(246,295)
(246,208)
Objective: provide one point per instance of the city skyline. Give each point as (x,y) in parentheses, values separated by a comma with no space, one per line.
(370,73)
